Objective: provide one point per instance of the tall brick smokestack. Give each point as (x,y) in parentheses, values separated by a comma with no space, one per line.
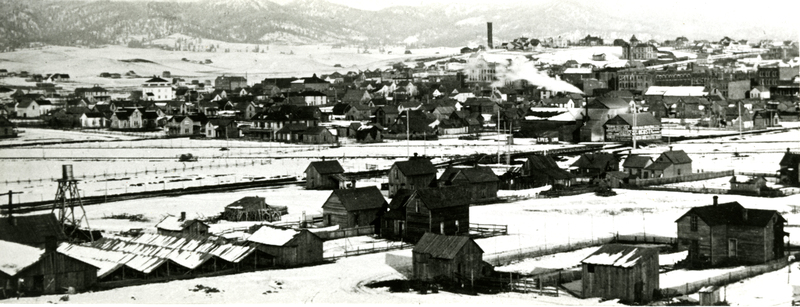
(489,35)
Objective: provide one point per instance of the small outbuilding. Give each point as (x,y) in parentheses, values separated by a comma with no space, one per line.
(437,257)
(354,207)
(288,247)
(324,175)
(618,271)
(253,208)
(173,225)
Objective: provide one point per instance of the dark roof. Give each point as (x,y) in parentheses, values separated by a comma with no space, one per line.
(677,156)
(157,80)
(608,103)
(637,161)
(472,174)
(659,166)
(361,198)
(31,229)
(444,197)
(620,255)
(416,166)
(595,160)
(642,119)
(250,203)
(316,130)
(733,213)
(790,159)
(327,167)
(441,246)
(537,162)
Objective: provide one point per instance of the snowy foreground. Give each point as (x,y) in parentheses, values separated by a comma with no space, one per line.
(340,282)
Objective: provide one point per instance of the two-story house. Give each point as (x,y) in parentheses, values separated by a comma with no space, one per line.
(416,173)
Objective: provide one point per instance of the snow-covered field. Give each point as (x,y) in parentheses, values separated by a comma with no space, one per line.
(84,65)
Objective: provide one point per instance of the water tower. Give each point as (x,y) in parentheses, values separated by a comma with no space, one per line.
(68,199)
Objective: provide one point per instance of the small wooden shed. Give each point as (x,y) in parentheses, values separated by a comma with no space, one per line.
(253,208)
(173,225)
(354,207)
(625,272)
(288,247)
(322,175)
(447,257)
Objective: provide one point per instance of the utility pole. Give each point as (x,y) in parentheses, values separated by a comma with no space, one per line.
(633,129)
(408,133)
(10,194)
(739,105)
(498,135)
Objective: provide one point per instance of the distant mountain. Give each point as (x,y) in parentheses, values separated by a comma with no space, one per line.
(74,22)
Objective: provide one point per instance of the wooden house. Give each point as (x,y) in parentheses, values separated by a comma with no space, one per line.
(127,119)
(623,127)
(354,207)
(324,175)
(790,164)
(7,128)
(173,225)
(412,213)
(33,270)
(480,182)
(593,164)
(31,230)
(625,272)
(416,173)
(253,208)
(634,165)
(729,233)
(670,163)
(543,170)
(288,247)
(437,257)
(753,186)
(318,135)
(369,134)
(224,128)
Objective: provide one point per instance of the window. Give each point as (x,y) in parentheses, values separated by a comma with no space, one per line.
(693,223)
(732,247)
(590,268)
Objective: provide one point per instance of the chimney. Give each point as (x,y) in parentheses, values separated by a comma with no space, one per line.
(11,218)
(183,216)
(670,148)
(716,200)
(489,35)
(50,244)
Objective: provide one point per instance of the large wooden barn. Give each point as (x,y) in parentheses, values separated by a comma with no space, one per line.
(480,182)
(324,175)
(729,233)
(354,207)
(416,173)
(437,257)
(288,247)
(625,272)
(412,213)
(33,270)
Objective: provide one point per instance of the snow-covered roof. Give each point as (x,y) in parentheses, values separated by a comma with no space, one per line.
(620,255)
(676,91)
(577,71)
(14,257)
(272,236)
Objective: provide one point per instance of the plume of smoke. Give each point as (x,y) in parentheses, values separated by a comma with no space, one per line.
(525,70)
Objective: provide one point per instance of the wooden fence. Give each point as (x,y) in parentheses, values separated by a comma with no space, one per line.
(646,239)
(681,178)
(346,233)
(383,247)
(725,279)
(511,256)
(488,230)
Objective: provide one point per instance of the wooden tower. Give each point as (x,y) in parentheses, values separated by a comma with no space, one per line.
(68,199)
